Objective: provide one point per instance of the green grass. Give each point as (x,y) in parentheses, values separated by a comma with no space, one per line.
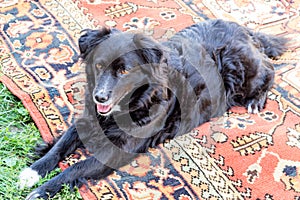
(18,136)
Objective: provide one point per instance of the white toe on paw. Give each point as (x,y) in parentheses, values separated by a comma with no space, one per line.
(28,178)
(252,108)
(255,110)
(249,108)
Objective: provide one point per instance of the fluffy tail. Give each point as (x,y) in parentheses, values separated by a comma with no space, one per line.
(273,46)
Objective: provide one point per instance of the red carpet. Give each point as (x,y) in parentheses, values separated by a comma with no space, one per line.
(238,156)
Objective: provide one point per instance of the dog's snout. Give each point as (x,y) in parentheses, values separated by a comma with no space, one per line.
(102,97)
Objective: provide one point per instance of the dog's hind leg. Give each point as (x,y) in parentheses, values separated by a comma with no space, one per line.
(256,104)
(271,46)
(259,85)
(67,143)
(248,76)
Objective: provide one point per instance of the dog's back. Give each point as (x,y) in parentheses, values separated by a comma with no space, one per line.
(241,58)
(215,34)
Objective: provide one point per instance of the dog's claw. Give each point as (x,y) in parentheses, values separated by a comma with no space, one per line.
(33,195)
(253,108)
(256,105)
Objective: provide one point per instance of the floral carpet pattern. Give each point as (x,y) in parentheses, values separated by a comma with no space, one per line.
(237,156)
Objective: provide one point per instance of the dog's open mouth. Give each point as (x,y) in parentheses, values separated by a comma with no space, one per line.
(103,109)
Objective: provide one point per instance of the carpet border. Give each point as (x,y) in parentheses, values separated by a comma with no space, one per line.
(29,105)
(39,121)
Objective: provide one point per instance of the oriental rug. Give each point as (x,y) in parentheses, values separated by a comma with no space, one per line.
(237,156)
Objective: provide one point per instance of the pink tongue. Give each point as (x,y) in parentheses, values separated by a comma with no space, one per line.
(102,108)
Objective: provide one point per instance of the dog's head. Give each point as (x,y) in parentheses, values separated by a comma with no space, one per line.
(120,65)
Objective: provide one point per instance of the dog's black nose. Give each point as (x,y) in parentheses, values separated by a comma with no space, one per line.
(102,97)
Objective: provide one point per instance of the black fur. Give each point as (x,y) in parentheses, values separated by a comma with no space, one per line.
(158,91)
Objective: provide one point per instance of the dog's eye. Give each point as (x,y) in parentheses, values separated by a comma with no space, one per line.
(98,66)
(123,71)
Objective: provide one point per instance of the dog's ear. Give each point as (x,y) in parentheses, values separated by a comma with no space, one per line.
(91,38)
(152,52)
(148,49)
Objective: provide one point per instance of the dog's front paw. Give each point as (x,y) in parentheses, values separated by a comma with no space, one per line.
(45,191)
(28,178)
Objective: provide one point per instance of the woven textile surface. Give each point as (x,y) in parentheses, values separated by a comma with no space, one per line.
(237,156)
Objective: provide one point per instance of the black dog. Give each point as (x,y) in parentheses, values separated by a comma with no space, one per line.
(140,93)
